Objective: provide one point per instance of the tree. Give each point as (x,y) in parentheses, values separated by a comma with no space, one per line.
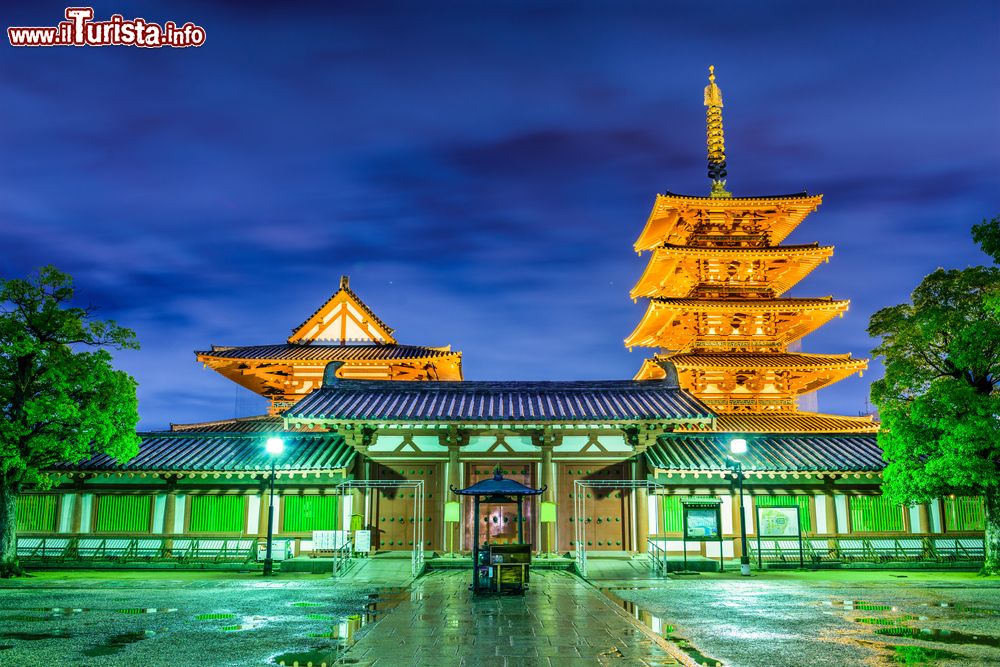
(938,401)
(62,400)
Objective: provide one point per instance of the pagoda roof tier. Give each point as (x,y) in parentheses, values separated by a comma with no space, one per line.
(737,382)
(765,360)
(676,218)
(769,453)
(682,271)
(731,324)
(792,422)
(290,352)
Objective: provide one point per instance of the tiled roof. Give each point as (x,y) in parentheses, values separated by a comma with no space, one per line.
(215,452)
(787,303)
(777,252)
(762,360)
(499,401)
(799,422)
(326,352)
(256,424)
(736,200)
(769,453)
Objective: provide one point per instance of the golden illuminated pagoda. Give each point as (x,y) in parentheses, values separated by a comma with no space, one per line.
(343,329)
(715,282)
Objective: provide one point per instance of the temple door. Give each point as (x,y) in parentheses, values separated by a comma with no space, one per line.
(392,508)
(608,518)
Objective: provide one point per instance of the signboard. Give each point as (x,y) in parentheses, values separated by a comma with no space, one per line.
(328,540)
(778,521)
(280,550)
(702,523)
(775,523)
(363,541)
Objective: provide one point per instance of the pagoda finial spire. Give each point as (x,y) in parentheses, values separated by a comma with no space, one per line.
(716,138)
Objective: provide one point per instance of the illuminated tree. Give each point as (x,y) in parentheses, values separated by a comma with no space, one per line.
(61,398)
(938,401)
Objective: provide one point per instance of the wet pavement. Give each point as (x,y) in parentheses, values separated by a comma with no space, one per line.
(561,621)
(102,621)
(383,617)
(877,618)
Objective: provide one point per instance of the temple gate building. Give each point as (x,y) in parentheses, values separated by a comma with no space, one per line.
(353,404)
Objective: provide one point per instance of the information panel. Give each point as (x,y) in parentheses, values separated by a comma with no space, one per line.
(363,541)
(702,523)
(778,521)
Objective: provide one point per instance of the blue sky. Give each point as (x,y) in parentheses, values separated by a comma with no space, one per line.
(480,170)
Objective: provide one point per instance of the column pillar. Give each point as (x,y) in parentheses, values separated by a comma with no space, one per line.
(831,514)
(359,474)
(548,530)
(77,516)
(169,510)
(641,506)
(925,518)
(454,530)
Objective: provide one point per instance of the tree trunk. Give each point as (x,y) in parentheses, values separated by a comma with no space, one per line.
(9,566)
(992,537)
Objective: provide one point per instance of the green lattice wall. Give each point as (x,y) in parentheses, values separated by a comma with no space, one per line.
(801,501)
(123,514)
(964,513)
(307,513)
(36,513)
(873,514)
(217,514)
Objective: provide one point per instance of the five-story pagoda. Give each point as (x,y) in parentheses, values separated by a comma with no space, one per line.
(716,280)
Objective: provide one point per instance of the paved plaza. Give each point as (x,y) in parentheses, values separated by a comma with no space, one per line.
(378,615)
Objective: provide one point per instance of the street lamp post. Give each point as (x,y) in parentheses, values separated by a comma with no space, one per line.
(274,446)
(739,446)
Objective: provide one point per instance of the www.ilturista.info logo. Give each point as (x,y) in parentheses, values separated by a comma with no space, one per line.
(79,29)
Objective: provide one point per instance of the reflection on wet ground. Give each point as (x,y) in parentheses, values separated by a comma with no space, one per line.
(659,626)
(105,624)
(899,623)
(344,631)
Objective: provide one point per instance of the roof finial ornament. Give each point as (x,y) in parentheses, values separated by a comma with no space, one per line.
(345,282)
(716,138)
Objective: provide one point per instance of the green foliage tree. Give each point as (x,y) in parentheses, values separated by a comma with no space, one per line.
(938,401)
(62,400)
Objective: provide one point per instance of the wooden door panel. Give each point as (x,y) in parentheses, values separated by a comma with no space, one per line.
(608,510)
(392,509)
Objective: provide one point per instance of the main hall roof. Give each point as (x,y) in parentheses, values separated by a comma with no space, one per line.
(350,400)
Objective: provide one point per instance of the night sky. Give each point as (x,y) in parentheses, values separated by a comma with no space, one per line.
(480,171)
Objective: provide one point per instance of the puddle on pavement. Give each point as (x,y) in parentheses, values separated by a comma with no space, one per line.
(942,636)
(657,625)
(343,631)
(117,643)
(858,605)
(919,655)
